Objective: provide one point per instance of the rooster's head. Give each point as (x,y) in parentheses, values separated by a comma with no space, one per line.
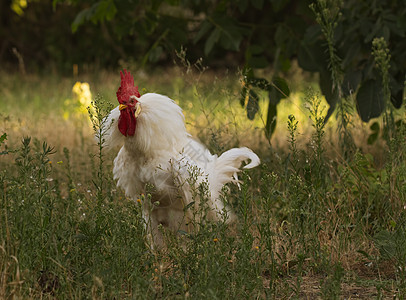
(130,107)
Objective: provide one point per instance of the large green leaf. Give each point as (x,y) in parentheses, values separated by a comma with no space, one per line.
(353,49)
(81,17)
(101,10)
(252,105)
(230,38)
(397,99)
(397,85)
(370,101)
(270,120)
(312,34)
(254,56)
(213,39)
(227,32)
(205,27)
(326,87)
(105,10)
(277,89)
(351,82)
(312,57)
(244,92)
(280,89)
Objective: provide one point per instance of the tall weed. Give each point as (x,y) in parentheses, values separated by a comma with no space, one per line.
(66,231)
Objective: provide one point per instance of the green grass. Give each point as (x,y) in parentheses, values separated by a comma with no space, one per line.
(311,223)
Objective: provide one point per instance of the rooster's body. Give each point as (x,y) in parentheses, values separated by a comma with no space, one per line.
(157,150)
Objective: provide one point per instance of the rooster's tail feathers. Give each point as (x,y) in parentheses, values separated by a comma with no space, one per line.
(228,165)
(234,157)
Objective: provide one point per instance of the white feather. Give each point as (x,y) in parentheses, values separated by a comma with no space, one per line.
(162,153)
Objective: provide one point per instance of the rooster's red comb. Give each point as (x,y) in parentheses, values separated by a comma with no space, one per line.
(127,88)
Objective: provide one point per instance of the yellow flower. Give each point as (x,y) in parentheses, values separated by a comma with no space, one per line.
(76,108)
(215,240)
(81,91)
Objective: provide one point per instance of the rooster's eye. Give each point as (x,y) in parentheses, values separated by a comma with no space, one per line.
(132,100)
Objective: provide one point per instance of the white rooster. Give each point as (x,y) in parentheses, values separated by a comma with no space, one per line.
(158,150)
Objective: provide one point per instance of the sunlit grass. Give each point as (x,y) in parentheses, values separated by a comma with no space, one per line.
(210,103)
(307,217)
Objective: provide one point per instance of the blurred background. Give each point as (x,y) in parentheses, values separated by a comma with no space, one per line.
(265,53)
(59,34)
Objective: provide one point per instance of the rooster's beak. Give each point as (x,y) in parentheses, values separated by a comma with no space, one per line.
(137,108)
(122,106)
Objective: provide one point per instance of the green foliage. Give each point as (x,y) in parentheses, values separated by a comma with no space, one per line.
(221,30)
(303,216)
(292,128)
(98,113)
(64,241)
(391,246)
(98,12)
(370,100)
(353,35)
(382,58)
(277,90)
(3,138)
(330,37)
(331,286)
(317,169)
(327,16)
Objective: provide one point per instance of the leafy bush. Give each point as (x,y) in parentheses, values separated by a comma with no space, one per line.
(333,38)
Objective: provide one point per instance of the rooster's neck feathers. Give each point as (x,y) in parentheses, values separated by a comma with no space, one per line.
(160,128)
